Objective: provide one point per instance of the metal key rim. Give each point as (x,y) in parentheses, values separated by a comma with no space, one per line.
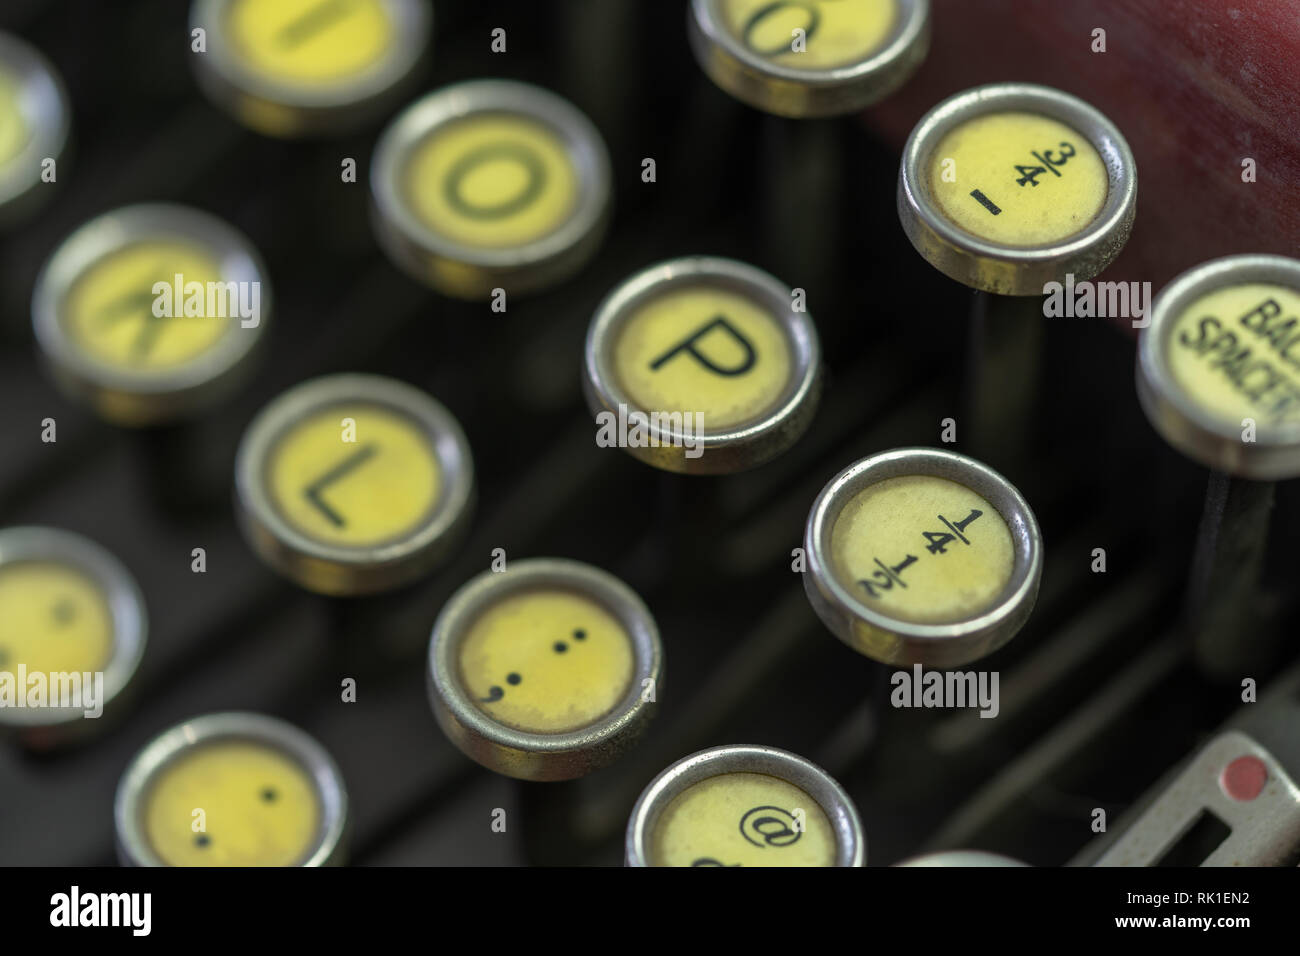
(413,242)
(960,858)
(361,568)
(1005,269)
(134,848)
(411,21)
(850,838)
(119,229)
(44,105)
(569,753)
(119,590)
(947,644)
(735,447)
(829,91)
(1186,424)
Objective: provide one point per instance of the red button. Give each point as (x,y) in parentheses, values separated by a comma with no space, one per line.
(1244,778)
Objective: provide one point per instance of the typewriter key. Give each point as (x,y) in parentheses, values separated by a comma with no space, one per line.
(801,58)
(1218,375)
(1011,186)
(961,858)
(1007,188)
(744,806)
(151,313)
(33,125)
(545,671)
(297,67)
(490,184)
(352,484)
(71,620)
(921,556)
(702,365)
(1222,354)
(231,789)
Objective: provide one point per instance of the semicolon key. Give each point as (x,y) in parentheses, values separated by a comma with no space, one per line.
(1218,375)
(308,67)
(70,611)
(702,365)
(232,789)
(744,806)
(1007,188)
(490,184)
(353,484)
(546,671)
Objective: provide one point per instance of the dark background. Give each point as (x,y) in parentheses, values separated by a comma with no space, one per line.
(1101,692)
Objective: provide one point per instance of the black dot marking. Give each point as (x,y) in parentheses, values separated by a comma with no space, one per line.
(579,634)
(513,679)
(269,795)
(202,840)
(64,611)
(561,647)
(495,693)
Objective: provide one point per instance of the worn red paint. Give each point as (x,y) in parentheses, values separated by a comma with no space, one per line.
(1196,86)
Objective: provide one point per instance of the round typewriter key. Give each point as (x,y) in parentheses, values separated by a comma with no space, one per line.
(702,365)
(231,790)
(296,67)
(545,671)
(803,58)
(1008,187)
(72,631)
(1218,375)
(961,858)
(33,123)
(352,484)
(744,806)
(490,184)
(150,313)
(1223,351)
(921,556)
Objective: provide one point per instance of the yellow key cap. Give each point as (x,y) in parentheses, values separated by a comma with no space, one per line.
(490,184)
(296,67)
(72,632)
(1219,365)
(919,556)
(517,663)
(1011,186)
(232,790)
(33,128)
(745,806)
(544,671)
(152,313)
(702,365)
(884,517)
(802,58)
(1054,191)
(351,484)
